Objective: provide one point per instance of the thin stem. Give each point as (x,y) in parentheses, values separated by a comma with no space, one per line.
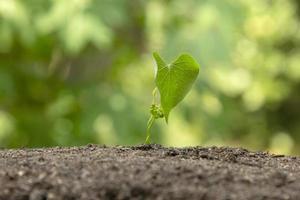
(154,92)
(149,125)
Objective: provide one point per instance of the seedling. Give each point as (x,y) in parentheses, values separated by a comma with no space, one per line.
(173,82)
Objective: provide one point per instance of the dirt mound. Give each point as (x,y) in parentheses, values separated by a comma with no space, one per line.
(146,172)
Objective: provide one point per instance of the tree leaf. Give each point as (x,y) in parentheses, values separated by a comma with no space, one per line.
(174,80)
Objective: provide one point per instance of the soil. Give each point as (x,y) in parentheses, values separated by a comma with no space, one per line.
(147,172)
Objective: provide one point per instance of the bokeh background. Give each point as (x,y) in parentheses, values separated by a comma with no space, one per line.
(74,72)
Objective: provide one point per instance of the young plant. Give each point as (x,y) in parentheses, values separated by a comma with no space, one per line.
(173,81)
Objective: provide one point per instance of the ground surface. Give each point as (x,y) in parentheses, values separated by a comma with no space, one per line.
(146,172)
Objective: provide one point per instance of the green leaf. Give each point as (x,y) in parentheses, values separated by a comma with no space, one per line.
(174,80)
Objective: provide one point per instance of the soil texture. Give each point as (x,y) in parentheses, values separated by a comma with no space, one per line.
(147,172)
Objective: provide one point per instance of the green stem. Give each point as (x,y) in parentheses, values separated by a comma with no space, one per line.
(149,125)
(154,92)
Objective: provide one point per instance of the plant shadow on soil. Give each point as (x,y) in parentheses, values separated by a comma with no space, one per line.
(146,172)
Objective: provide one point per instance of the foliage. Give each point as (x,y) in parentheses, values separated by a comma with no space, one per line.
(173,82)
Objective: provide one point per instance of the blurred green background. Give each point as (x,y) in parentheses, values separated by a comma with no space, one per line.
(74,72)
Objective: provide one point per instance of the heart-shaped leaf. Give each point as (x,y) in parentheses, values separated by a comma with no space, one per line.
(174,80)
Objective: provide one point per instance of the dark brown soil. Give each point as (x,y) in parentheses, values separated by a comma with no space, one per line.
(146,172)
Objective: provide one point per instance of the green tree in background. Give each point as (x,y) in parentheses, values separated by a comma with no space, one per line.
(80,71)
